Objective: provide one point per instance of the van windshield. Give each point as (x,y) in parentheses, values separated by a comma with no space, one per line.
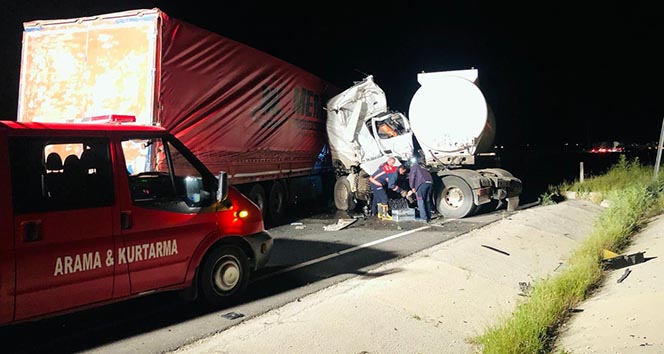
(159,172)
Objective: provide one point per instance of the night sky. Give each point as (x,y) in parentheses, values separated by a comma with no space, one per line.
(553,72)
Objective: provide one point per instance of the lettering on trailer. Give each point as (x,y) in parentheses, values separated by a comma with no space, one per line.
(125,255)
(270,98)
(305,102)
(306,105)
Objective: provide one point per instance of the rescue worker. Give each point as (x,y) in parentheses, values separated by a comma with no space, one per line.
(421,182)
(392,181)
(388,166)
(380,180)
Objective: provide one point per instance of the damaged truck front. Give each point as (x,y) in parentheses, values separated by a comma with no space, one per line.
(362,134)
(449,130)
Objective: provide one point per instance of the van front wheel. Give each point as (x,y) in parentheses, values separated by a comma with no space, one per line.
(225,275)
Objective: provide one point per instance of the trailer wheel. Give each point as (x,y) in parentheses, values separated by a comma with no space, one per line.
(224,276)
(455,199)
(276,202)
(257,195)
(343,197)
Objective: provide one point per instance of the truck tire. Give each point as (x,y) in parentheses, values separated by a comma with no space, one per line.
(455,199)
(276,206)
(343,197)
(257,195)
(224,275)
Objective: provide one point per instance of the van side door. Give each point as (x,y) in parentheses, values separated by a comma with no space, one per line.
(63,204)
(167,212)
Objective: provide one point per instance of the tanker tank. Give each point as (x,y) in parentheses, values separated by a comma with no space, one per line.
(450,116)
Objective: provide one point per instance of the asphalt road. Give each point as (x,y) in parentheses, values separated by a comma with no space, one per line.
(306,259)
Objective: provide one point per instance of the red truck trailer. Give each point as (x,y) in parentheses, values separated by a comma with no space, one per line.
(236,108)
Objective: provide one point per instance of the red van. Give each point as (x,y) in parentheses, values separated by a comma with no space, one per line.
(96,213)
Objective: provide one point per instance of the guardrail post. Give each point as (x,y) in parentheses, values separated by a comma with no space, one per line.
(659,151)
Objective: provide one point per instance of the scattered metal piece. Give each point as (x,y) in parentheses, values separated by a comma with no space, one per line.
(622,261)
(559,265)
(232,315)
(341,223)
(622,277)
(296,224)
(525,288)
(497,250)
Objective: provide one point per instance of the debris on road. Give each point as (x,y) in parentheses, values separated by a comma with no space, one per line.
(615,261)
(622,277)
(232,315)
(497,250)
(298,225)
(525,288)
(560,264)
(341,223)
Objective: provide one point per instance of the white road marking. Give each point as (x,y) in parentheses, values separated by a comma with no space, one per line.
(341,253)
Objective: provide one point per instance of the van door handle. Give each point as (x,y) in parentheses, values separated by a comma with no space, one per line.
(32,230)
(125,220)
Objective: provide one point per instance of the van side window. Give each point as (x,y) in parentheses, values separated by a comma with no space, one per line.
(60,173)
(160,175)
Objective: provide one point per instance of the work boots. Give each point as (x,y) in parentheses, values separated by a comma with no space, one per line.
(383,212)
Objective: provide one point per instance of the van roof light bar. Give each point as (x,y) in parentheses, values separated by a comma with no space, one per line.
(111,118)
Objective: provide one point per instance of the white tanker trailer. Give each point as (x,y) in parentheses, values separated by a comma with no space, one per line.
(449,120)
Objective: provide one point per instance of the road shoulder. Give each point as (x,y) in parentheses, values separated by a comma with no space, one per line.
(436,300)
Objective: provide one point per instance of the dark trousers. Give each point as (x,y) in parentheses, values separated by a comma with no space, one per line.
(379,196)
(423,193)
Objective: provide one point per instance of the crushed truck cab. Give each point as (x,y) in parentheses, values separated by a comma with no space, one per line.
(362,134)
(101,212)
(453,126)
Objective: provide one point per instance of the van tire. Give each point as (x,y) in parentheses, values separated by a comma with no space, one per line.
(224,276)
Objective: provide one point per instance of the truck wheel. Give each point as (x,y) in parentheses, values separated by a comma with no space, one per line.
(455,199)
(257,195)
(343,197)
(276,202)
(224,276)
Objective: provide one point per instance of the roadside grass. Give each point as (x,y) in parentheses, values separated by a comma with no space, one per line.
(633,197)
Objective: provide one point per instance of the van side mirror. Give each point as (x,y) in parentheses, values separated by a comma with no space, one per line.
(222,189)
